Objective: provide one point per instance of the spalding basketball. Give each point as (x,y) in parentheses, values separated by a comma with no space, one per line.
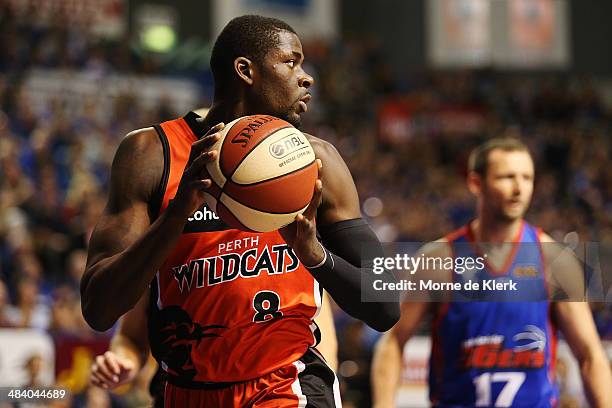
(264,174)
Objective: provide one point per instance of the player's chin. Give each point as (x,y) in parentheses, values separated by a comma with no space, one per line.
(294,118)
(512,214)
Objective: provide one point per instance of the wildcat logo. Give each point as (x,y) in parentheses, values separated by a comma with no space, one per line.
(229,266)
(244,135)
(287,145)
(177,336)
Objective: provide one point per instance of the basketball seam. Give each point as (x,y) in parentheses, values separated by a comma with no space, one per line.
(252,148)
(256,209)
(272,178)
(221,148)
(245,228)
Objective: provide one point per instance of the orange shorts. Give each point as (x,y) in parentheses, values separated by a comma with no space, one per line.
(307,382)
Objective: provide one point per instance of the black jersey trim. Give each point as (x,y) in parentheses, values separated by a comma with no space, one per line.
(158,198)
(196,127)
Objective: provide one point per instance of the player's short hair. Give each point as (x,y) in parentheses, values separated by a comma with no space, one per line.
(249,36)
(479,158)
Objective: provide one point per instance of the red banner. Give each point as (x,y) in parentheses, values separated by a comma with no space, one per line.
(400,121)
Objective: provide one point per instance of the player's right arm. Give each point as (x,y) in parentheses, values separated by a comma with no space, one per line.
(126,248)
(387,360)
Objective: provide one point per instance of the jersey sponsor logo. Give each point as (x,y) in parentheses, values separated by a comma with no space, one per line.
(489,352)
(229,266)
(526,271)
(244,136)
(204,220)
(203,214)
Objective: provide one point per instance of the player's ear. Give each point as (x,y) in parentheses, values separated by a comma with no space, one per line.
(474,183)
(244,68)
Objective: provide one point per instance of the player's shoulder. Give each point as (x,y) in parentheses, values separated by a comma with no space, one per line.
(322,148)
(140,147)
(138,162)
(437,248)
(141,140)
(544,237)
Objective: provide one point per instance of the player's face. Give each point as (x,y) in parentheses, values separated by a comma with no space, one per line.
(281,85)
(508,184)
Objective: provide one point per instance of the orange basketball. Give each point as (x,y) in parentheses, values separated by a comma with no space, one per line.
(264,174)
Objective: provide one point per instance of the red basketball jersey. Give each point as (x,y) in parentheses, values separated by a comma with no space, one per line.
(226,305)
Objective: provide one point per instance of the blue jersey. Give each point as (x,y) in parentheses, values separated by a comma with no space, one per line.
(498,354)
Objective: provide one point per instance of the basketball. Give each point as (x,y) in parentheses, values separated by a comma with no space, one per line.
(264,174)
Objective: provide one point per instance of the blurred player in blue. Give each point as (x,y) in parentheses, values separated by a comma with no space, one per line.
(502,353)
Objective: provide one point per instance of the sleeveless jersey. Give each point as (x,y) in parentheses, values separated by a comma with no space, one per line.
(499,353)
(226,305)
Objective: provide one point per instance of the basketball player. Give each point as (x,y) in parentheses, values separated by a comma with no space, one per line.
(231,312)
(497,353)
(129,352)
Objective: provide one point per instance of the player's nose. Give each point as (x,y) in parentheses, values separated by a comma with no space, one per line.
(306,80)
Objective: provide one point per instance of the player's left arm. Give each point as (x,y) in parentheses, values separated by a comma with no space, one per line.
(338,267)
(576,323)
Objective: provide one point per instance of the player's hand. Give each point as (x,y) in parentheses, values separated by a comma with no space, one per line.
(110,371)
(301,235)
(196,180)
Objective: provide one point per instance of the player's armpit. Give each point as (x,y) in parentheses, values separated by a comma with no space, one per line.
(576,323)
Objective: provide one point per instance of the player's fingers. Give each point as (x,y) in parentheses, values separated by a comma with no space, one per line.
(305,228)
(103,371)
(217,128)
(99,381)
(203,184)
(95,381)
(199,164)
(126,364)
(112,363)
(311,211)
(205,142)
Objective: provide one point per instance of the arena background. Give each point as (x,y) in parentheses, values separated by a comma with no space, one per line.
(404,89)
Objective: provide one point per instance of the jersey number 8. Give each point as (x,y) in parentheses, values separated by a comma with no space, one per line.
(266,304)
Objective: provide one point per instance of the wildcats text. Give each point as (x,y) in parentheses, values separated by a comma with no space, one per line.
(230,265)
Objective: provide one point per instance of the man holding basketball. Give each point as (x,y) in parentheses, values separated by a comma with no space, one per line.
(241,341)
(499,353)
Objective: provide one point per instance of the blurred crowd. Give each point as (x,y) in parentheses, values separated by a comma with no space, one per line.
(55,159)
